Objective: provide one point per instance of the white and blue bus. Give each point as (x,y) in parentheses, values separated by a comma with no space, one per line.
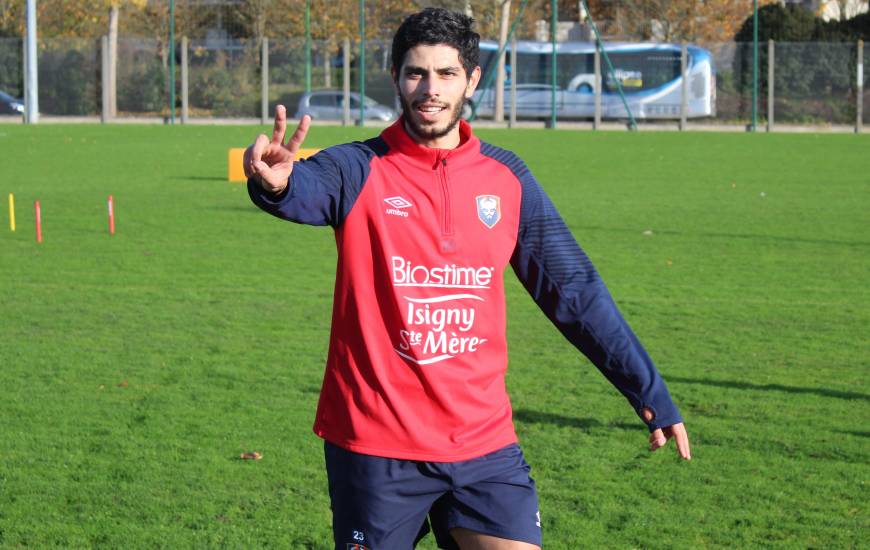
(648,72)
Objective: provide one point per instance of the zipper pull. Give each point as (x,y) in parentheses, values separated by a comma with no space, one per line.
(444,162)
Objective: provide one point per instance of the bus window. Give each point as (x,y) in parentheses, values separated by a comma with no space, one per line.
(642,70)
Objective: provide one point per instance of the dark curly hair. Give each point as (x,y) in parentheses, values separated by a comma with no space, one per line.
(434,26)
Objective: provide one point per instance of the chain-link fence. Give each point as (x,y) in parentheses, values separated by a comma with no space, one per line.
(812,83)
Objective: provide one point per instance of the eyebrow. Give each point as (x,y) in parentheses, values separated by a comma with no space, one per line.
(415,69)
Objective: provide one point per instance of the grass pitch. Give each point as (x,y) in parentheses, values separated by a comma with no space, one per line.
(135,369)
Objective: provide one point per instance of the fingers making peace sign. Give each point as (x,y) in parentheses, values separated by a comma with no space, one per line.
(271,162)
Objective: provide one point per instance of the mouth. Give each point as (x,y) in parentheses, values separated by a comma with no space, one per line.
(430,110)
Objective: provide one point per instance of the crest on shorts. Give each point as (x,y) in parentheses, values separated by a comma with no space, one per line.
(489,209)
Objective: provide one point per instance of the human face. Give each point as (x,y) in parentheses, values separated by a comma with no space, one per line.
(433,87)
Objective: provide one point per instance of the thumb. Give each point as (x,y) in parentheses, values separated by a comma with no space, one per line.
(271,179)
(657,439)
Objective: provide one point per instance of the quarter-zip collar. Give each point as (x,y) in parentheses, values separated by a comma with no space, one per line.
(400,141)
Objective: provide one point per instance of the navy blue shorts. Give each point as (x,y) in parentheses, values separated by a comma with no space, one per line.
(388,504)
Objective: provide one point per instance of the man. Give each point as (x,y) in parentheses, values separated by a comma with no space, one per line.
(413,409)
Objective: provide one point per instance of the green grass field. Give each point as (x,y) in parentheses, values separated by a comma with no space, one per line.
(135,369)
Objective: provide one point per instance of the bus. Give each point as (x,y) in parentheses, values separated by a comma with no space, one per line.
(648,72)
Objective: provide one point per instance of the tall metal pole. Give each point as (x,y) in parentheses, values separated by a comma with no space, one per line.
(859,112)
(684,85)
(554,6)
(185,81)
(307,46)
(754,123)
(771,68)
(596,120)
(362,62)
(498,115)
(104,63)
(172,61)
(345,81)
(264,81)
(512,118)
(31,111)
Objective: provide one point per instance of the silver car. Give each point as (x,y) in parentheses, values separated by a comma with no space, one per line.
(329,105)
(10,105)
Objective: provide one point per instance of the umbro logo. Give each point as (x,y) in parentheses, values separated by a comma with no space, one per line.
(398,204)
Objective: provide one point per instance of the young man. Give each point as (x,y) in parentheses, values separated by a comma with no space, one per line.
(413,409)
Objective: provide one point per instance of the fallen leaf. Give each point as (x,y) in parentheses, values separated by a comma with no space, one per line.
(251,456)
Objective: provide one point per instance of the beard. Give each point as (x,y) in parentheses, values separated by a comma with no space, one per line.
(426,130)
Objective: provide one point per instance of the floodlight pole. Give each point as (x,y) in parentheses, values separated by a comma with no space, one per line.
(307,46)
(172,61)
(554,6)
(362,62)
(31,100)
(754,123)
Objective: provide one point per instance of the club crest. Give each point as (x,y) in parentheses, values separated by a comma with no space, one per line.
(489,209)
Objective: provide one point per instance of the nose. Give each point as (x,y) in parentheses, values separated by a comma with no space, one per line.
(430,86)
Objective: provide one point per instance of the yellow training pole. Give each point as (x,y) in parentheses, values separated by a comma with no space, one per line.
(11,212)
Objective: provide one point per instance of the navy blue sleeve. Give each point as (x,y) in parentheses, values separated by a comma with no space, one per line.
(568,289)
(323,188)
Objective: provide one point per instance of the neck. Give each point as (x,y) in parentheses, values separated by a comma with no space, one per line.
(448,141)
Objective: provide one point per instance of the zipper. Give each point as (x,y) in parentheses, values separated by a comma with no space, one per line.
(446,211)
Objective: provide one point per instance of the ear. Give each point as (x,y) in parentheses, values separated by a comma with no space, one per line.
(473,81)
(395,76)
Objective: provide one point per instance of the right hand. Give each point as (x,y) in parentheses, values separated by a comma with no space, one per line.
(660,436)
(271,162)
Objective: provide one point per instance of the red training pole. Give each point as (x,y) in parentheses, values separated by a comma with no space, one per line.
(111,217)
(38,224)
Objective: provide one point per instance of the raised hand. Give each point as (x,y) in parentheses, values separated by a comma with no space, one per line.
(660,436)
(271,162)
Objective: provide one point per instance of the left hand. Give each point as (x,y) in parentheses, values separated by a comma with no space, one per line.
(660,436)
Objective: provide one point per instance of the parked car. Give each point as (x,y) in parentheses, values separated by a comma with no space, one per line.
(329,105)
(10,105)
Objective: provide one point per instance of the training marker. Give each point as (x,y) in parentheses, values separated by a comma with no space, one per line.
(38,224)
(11,212)
(111,217)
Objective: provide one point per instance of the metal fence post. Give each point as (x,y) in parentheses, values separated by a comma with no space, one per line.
(771,64)
(345,77)
(171,61)
(512,117)
(859,118)
(31,73)
(362,63)
(498,113)
(264,81)
(596,122)
(307,46)
(185,82)
(554,17)
(684,85)
(24,93)
(104,68)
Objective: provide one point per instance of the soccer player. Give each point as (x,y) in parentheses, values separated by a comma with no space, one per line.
(417,424)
